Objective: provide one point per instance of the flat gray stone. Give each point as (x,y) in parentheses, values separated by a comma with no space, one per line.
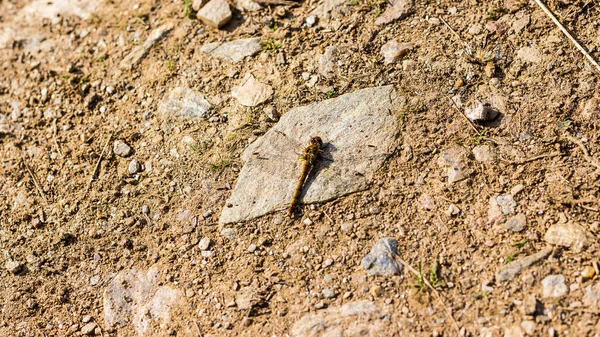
(569,235)
(233,51)
(394,50)
(185,102)
(516,223)
(381,260)
(358,318)
(554,286)
(216,13)
(139,52)
(396,10)
(251,92)
(323,11)
(529,54)
(591,297)
(134,297)
(515,268)
(122,149)
(358,131)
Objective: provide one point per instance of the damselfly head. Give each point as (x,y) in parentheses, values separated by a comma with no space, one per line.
(316,141)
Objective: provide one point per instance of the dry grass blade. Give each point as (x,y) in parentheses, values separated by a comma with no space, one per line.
(589,311)
(277,2)
(586,154)
(528,160)
(462,114)
(567,34)
(97,167)
(35,182)
(435,292)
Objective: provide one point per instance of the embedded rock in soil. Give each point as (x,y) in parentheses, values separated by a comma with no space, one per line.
(591,297)
(134,297)
(396,10)
(185,102)
(481,112)
(251,92)
(554,286)
(233,51)
(358,132)
(570,235)
(483,153)
(138,53)
(393,51)
(216,13)
(328,61)
(515,268)
(516,223)
(121,149)
(323,11)
(529,54)
(382,258)
(358,318)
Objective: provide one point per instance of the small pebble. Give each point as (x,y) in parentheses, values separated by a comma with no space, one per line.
(311,21)
(145,209)
(86,319)
(252,248)
(328,293)
(554,286)
(307,222)
(88,329)
(528,327)
(481,112)
(121,149)
(516,223)
(204,243)
(588,272)
(319,305)
(14,267)
(134,167)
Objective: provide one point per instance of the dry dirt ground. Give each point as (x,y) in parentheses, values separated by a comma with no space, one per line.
(68,226)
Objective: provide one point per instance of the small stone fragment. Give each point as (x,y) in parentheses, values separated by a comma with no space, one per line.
(530,305)
(452,210)
(328,293)
(393,51)
(139,52)
(590,109)
(569,235)
(381,260)
(507,203)
(529,54)
(457,172)
(554,286)
(396,10)
(591,297)
(588,272)
(528,327)
(185,102)
(88,329)
(216,13)
(197,4)
(514,268)
(134,167)
(328,61)
(249,5)
(229,233)
(481,112)
(311,21)
(427,202)
(483,153)
(358,318)
(14,267)
(513,331)
(516,223)
(233,51)
(250,92)
(205,243)
(121,149)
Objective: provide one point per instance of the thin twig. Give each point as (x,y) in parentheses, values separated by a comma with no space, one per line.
(35,182)
(567,34)
(97,167)
(586,154)
(435,292)
(528,160)
(462,114)
(277,2)
(56,141)
(589,311)
(579,202)
(468,48)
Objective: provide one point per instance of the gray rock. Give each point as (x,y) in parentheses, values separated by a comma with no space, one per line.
(121,149)
(328,61)
(139,52)
(517,223)
(554,286)
(197,4)
(134,167)
(591,297)
(484,153)
(506,203)
(328,293)
(515,268)
(311,21)
(233,51)
(382,258)
(457,172)
(243,299)
(216,13)
(351,319)
(393,51)
(569,235)
(396,10)
(249,5)
(529,54)
(350,158)
(250,92)
(520,24)
(481,112)
(14,267)
(229,233)
(590,108)
(145,209)
(185,102)
(134,297)
(324,10)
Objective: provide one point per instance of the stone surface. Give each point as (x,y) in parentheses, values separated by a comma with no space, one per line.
(396,10)
(185,102)
(554,286)
(349,158)
(216,13)
(134,297)
(569,235)
(121,149)
(591,296)
(249,5)
(13,266)
(134,167)
(394,50)
(233,51)
(506,203)
(358,318)
(528,327)
(517,223)
(324,10)
(529,54)
(484,153)
(481,112)
(197,4)
(251,92)
(88,329)
(139,52)
(515,268)
(328,61)
(513,331)
(381,260)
